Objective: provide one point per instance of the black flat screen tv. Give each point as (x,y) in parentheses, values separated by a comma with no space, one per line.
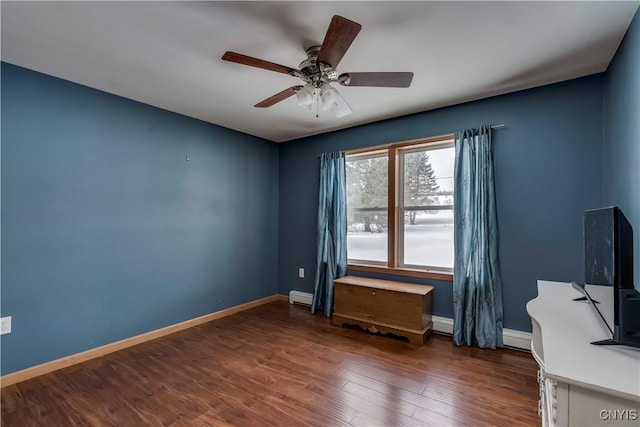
(608,260)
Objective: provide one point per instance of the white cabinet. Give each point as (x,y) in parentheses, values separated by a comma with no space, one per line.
(581,384)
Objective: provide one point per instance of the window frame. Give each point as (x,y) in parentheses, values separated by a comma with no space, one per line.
(394,180)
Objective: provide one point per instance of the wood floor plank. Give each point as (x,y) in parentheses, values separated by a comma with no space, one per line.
(362,373)
(437,419)
(379,399)
(374,418)
(278,365)
(432,410)
(334,409)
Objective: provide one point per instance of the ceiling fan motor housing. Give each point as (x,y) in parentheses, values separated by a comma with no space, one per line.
(309,67)
(314,72)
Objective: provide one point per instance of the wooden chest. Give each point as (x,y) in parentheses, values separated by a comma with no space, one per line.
(384,306)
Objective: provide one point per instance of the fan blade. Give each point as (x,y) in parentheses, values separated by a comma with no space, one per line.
(278,97)
(376,79)
(255,62)
(341,108)
(341,33)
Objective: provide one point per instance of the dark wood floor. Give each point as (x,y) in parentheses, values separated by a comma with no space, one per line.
(276,365)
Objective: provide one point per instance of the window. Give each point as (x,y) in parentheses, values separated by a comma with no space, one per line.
(400,208)
(367,198)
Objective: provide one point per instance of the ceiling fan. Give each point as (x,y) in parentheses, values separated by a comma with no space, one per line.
(318,71)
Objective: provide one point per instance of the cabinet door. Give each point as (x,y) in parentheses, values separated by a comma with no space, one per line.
(592,408)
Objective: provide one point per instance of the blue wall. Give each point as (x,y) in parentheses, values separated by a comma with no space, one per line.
(548,171)
(108,232)
(622,134)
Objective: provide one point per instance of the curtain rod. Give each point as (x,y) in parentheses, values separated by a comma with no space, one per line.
(492,127)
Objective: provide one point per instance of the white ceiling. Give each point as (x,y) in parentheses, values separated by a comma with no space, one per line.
(167,54)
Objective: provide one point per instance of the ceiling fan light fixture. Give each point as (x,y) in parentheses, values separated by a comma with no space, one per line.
(305,95)
(326,107)
(328,95)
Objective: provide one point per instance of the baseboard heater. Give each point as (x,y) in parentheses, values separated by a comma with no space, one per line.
(511,337)
(302,298)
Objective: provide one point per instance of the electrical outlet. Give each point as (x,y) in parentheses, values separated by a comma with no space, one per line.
(5,325)
(301,273)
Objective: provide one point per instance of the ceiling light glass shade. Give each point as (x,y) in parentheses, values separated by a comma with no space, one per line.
(305,95)
(326,107)
(328,95)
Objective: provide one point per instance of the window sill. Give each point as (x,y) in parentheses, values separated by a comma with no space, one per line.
(407,272)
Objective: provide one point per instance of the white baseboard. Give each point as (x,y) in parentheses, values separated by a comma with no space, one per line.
(517,339)
(443,325)
(297,297)
(510,337)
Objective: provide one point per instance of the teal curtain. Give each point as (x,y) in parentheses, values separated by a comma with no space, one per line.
(477,284)
(332,230)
